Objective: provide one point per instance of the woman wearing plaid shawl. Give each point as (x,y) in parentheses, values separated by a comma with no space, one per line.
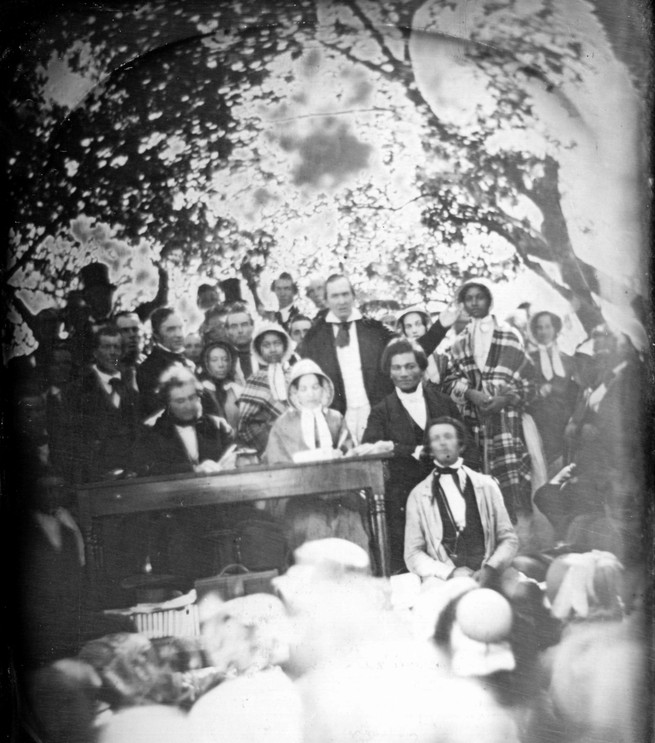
(491,379)
(264,398)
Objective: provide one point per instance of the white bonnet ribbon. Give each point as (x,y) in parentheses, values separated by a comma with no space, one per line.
(549,369)
(277,381)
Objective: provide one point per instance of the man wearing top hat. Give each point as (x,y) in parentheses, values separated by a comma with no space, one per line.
(98,309)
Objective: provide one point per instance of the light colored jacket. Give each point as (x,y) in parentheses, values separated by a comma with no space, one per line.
(425,554)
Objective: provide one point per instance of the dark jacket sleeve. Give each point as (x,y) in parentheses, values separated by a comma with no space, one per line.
(376,429)
(433,337)
(147,308)
(156,456)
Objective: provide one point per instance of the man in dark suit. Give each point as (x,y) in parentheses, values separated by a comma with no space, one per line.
(101,413)
(348,347)
(400,418)
(168,349)
(182,439)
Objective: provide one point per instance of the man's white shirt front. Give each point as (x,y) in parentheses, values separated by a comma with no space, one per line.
(350,361)
(414,404)
(105,380)
(189,437)
(453,494)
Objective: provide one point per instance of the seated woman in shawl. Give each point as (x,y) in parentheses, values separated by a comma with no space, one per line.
(311,430)
(310,425)
(220,392)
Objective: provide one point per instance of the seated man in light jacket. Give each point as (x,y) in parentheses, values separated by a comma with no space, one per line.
(456,520)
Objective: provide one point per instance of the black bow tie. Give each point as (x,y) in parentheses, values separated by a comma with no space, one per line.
(438,471)
(116,384)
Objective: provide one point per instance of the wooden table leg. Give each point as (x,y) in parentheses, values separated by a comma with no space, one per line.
(379,520)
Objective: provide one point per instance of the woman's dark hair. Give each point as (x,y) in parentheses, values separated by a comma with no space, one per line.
(423,315)
(462,438)
(555,320)
(395,347)
(296,381)
(231,355)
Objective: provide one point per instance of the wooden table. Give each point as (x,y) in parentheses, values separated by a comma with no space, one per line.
(253,483)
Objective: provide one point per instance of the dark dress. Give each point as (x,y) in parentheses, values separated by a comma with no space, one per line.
(552,411)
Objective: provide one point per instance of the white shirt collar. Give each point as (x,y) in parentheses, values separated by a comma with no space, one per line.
(411,396)
(163,348)
(457,464)
(105,376)
(332,318)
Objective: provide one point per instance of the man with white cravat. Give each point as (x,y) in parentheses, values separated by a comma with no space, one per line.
(400,419)
(348,347)
(457,523)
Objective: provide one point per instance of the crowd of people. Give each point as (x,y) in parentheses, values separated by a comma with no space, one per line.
(483,424)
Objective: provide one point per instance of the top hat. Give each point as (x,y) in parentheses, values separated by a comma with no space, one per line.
(232,290)
(95,274)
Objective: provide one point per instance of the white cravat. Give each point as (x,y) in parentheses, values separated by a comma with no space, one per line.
(277,381)
(453,494)
(189,437)
(550,368)
(482,333)
(414,404)
(313,421)
(106,385)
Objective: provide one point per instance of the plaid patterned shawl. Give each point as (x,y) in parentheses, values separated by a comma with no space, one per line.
(508,371)
(258,410)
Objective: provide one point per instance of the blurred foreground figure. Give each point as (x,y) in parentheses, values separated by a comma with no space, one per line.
(597,674)
(247,638)
(146,724)
(362,674)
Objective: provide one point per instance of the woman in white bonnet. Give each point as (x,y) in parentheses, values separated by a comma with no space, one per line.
(311,431)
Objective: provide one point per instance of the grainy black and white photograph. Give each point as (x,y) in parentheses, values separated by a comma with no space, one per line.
(327,371)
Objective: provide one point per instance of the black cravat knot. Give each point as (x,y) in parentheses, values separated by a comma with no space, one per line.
(445,471)
(116,384)
(343,334)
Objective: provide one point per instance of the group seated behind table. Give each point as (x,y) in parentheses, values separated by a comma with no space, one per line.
(244,484)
